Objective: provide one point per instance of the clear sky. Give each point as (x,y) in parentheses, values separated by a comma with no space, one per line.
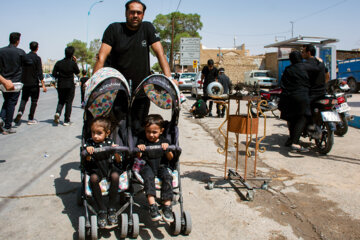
(54,23)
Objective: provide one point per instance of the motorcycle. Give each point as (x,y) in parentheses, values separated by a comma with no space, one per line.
(337,85)
(343,110)
(325,118)
(272,98)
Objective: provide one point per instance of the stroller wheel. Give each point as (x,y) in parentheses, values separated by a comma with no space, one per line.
(81,229)
(175,226)
(188,224)
(94,227)
(135,226)
(124,223)
(79,199)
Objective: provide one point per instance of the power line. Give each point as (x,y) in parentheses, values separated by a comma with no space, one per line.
(247,35)
(319,11)
(178,6)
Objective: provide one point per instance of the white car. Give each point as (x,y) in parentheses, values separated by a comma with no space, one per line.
(185,81)
(196,90)
(48,80)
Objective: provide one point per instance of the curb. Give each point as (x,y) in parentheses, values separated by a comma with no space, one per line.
(355,122)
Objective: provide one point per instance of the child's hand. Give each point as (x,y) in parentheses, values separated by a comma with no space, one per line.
(115,145)
(90,150)
(164,146)
(142,147)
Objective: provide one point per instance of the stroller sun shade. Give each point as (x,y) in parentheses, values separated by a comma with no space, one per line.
(160,90)
(102,90)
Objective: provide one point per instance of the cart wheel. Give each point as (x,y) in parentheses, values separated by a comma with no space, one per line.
(135,226)
(175,226)
(81,229)
(94,227)
(124,223)
(79,199)
(250,195)
(264,185)
(210,185)
(188,224)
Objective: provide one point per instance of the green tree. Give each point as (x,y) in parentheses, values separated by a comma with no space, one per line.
(82,53)
(185,25)
(156,67)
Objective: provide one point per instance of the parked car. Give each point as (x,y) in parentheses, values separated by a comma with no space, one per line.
(260,77)
(196,90)
(185,81)
(48,80)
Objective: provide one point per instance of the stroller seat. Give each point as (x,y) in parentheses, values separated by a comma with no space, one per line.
(158,182)
(105,185)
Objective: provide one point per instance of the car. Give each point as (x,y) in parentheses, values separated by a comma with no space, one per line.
(260,77)
(185,81)
(48,80)
(196,90)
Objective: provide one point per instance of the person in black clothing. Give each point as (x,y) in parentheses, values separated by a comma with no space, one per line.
(103,166)
(199,108)
(294,100)
(83,80)
(125,47)
(64,71)
(12,59)
(208,75)
(226,83)
(32,74)
(154,166)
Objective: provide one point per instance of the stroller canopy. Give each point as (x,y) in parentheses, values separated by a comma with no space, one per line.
(102,89)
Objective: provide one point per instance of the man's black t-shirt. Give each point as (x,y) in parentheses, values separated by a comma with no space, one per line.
(64,71)
(210,75)
(317,79)
(32,73)
(130,50)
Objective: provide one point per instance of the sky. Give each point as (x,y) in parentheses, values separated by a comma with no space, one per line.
(255,23)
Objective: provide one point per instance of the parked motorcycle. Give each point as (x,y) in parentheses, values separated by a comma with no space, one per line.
(337,85)
(325,118)
(343,110)
(272,98)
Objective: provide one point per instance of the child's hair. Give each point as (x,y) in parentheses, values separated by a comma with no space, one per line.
(103,122)
(154,119)
(84,72)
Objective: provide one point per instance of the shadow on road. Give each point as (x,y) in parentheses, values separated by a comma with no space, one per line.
(66,191)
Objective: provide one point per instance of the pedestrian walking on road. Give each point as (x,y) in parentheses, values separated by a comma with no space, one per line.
(83,80)
(12,60)
(208,75)
(125,47)
(64,71)
(32,76)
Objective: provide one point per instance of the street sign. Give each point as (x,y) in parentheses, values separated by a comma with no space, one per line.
(195,64)
(189,51)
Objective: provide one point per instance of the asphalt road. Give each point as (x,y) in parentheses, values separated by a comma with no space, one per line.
(310,196)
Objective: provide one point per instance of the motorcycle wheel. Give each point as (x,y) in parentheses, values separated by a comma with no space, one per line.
(341,129)
(325,143)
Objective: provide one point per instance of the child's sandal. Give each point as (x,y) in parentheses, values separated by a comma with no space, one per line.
(112,218)
(102,219)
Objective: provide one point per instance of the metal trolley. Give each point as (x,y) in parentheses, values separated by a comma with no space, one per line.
(247,124)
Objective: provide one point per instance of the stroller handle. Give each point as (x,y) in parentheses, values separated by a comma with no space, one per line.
(107,149)
(159,147)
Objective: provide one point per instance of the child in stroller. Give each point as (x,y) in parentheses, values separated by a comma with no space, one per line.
(154,127)
(104,166)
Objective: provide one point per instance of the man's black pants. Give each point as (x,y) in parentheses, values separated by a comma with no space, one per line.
(8,107)
(65,97)
(33,92)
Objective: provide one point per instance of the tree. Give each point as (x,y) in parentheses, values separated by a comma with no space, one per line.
(83,55)
(185,25)
(156,67)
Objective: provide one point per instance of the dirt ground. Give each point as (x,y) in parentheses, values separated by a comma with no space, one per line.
(315,195)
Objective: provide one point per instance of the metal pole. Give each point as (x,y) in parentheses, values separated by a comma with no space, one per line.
(87,25)
(292,29)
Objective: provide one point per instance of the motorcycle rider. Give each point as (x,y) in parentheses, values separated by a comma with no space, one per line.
(294,100)
(317,78)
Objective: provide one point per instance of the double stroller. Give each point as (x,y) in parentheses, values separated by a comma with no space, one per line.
(108,94)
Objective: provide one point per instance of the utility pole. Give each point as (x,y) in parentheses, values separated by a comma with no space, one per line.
(172,44)
(292,29)
(234,42)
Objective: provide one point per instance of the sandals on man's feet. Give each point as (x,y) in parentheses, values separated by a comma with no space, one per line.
(112,218)
(102,219)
